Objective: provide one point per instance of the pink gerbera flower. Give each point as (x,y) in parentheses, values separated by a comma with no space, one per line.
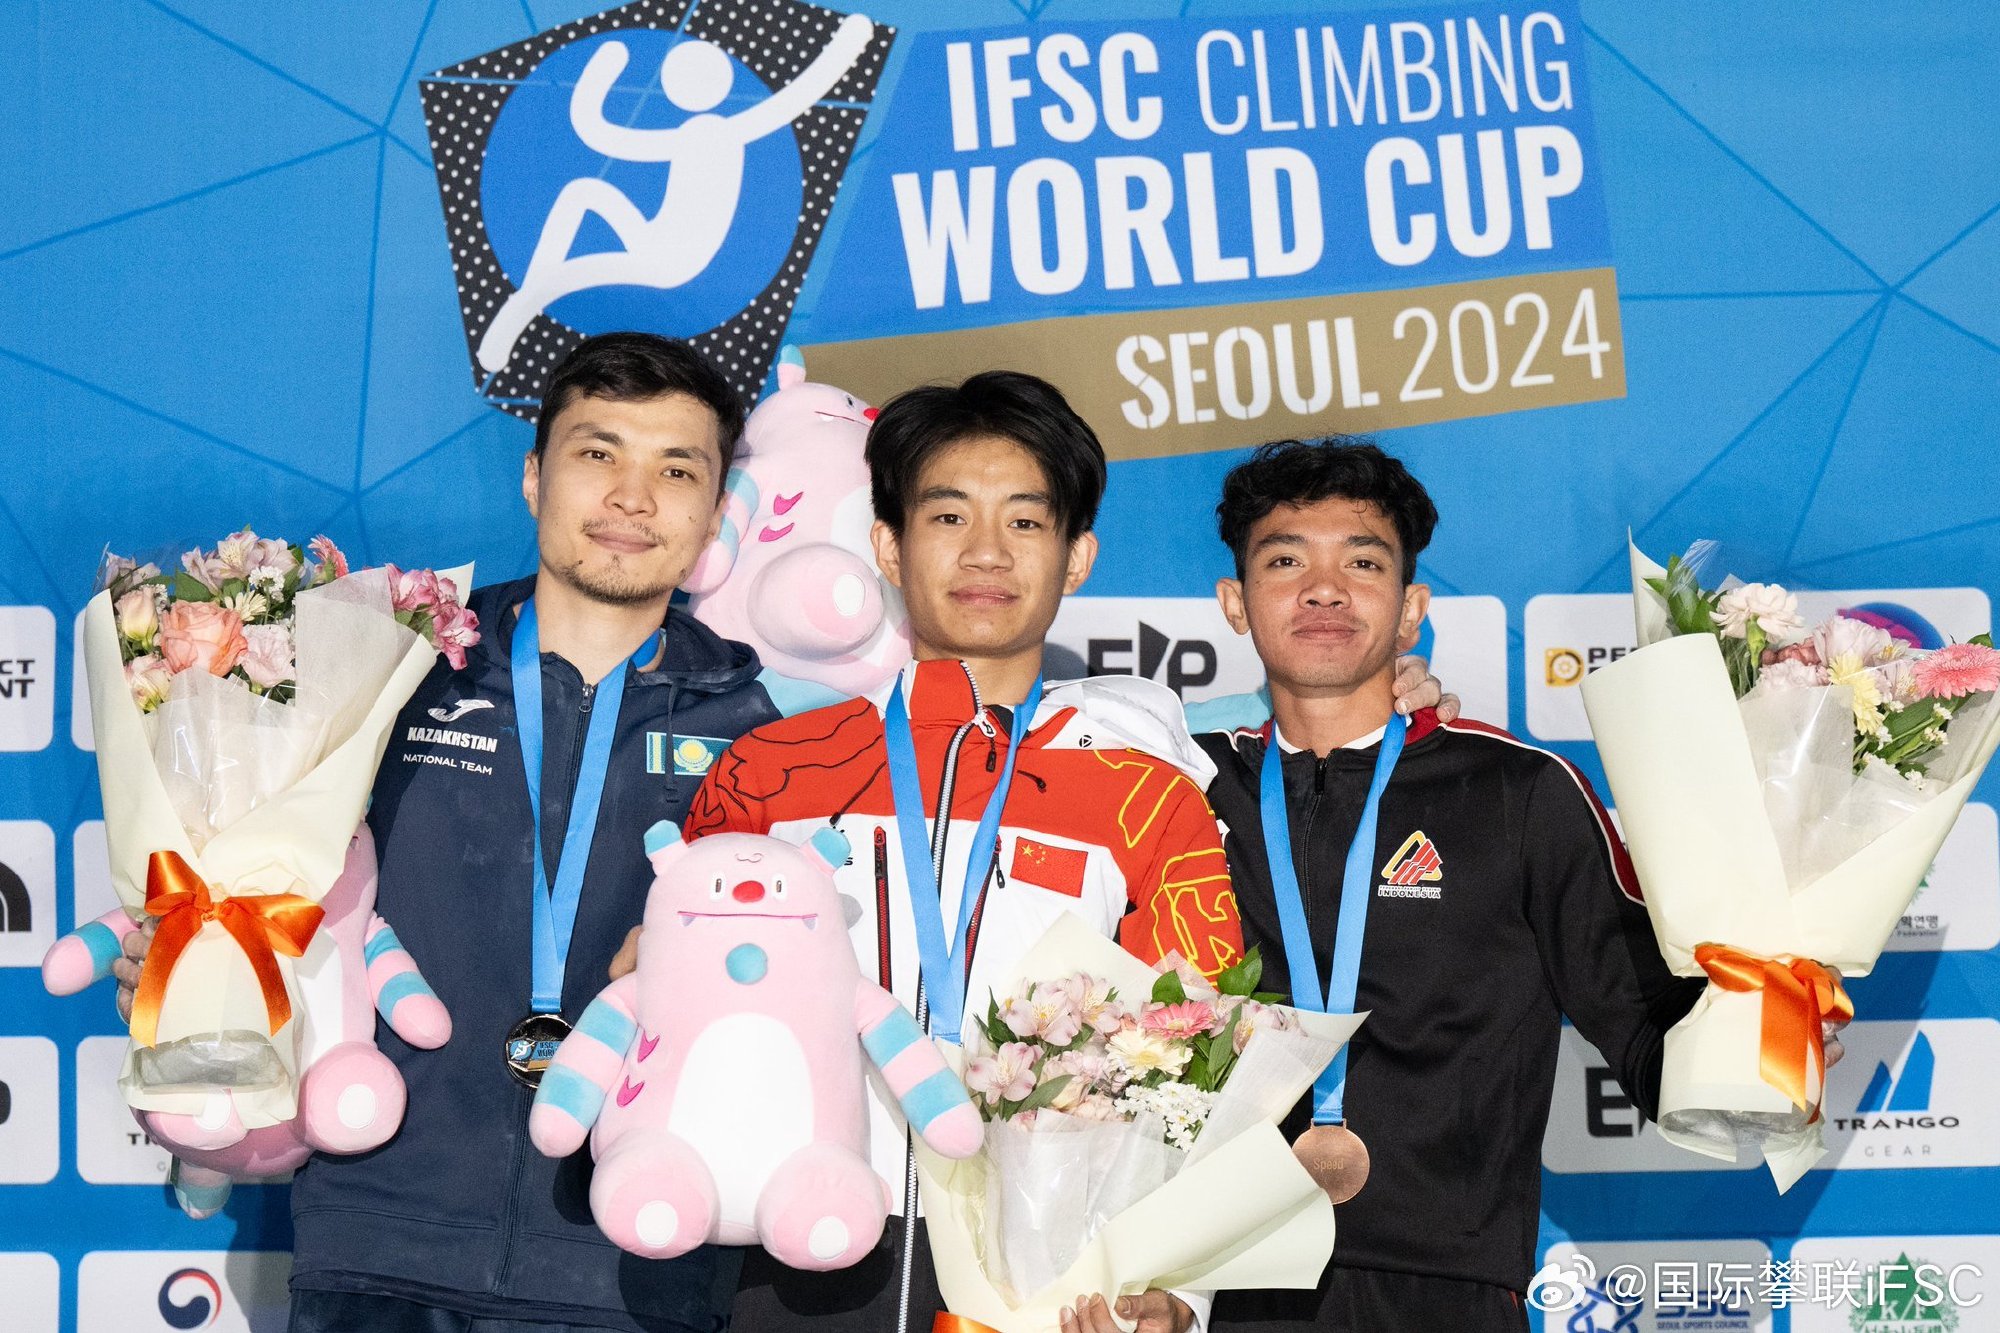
(1956,671)
(1189,1018)
(333,565)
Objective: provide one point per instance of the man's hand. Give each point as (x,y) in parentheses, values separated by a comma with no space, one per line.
(1418,689)
(126,969)
(626,960)
(1829,1031)
(1155,1311)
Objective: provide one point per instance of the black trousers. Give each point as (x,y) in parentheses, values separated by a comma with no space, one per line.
(366,1312)
(1370,1300)
(775,1299)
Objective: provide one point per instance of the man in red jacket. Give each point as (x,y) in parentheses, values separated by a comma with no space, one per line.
(1085,798)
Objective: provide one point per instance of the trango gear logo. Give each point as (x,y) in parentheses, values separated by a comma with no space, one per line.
(190,1298)
(1909,1090)
(666,165)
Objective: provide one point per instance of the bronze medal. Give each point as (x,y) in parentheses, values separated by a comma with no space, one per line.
(531,1045)
(1336,1158)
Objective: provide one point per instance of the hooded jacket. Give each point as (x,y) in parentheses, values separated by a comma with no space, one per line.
(1105,819)
(459,1210)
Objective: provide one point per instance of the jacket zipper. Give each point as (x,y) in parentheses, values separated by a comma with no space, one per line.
(522,1107)
(1306,893)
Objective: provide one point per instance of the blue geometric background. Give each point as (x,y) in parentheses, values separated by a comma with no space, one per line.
(226,297)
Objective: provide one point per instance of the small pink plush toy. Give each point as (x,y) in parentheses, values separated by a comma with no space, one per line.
(350,1095)
(736,1052)
(792,573)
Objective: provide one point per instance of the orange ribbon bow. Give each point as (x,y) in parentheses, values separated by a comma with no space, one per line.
(1799,996)
(958,1323)
(263,924)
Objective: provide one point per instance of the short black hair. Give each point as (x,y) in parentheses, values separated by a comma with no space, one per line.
(1295,472)
(635,367)
(913,427)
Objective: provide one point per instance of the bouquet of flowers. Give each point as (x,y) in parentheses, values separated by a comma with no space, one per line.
(241,703)
(1132,1138)
(1783,792)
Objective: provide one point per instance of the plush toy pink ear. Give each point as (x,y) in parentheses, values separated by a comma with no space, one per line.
(664,845)
(791,367)
(829,847)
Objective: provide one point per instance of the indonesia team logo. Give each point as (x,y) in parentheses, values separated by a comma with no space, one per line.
(667,166)
(1415,871)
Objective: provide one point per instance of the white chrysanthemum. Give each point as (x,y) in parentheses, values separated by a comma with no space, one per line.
(1182,1107)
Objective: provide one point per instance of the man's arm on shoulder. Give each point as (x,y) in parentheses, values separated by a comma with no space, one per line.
(729,799)
(1176,877)
(1597,945)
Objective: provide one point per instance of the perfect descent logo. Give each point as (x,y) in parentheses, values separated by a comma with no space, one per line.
(664,166)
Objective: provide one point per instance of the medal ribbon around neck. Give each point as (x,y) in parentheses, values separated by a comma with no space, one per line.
(555,904)
(1330,1089)
(944,962)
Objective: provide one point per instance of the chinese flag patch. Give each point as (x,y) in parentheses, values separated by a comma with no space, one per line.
(1046,867)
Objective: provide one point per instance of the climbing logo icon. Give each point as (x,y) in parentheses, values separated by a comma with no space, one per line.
(667,166)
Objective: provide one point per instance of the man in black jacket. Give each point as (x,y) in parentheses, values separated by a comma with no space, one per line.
(457,1225)
(1498,898)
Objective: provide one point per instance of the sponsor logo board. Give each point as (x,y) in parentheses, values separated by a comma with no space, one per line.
(30,1111)
(27,677)
(151,1291)
(27,891)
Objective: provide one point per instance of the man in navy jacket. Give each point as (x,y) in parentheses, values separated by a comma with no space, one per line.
(458,1223)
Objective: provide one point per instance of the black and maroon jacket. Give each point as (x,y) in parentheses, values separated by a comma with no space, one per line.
(1501,900)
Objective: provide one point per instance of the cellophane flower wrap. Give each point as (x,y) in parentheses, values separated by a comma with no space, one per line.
(1132,1138)
(241,703)
(1783,790)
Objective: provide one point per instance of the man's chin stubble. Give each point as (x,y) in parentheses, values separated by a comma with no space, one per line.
(615,592)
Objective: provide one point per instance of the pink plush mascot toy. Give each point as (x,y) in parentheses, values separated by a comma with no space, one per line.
(350,1095)
(736,1052)
(792,572)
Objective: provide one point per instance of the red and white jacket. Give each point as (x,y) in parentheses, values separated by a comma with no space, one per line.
(1106,819)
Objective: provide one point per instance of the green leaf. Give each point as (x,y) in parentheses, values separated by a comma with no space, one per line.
(1044,1094)
(1197,1070)
(188,588)
(1271,997)
(1168,989)
(1242,979)
(997,1030)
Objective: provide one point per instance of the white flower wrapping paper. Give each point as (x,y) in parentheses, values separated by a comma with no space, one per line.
(1240,1212)
(257,797)
(1749,829)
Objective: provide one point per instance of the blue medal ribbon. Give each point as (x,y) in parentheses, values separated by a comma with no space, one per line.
(1329,1090)
(555,905)
(943,962)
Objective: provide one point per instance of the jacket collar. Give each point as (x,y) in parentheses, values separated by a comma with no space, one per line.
(1422,723)
(697,659)
(941,693)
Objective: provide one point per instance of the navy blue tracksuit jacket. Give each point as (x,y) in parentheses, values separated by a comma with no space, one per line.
(459,1210)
